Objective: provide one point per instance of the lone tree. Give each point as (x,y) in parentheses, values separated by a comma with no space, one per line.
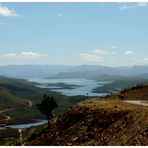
(47,105)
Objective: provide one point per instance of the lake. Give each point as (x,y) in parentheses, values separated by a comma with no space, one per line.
(84,87)
(28,125)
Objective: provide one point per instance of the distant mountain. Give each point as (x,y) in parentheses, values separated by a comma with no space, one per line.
(86,72)
(102,73)
(119,84)
(32,71)
(64,71)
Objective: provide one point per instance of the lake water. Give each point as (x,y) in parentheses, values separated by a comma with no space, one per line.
(85,86)
(28,125)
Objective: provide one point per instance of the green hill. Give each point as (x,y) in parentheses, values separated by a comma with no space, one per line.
(16,94)
(120,84)
(107,120)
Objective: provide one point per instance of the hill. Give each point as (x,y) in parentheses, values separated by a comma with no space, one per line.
(19,98)
(98,121)
(32,71)
(102,73)
(65,71)
(119,84)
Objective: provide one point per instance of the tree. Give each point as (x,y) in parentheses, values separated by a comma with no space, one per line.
(47,105)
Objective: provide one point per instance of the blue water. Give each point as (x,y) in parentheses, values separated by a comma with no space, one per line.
(85,86)
(28,125)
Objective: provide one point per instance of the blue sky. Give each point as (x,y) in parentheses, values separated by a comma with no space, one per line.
(111,34)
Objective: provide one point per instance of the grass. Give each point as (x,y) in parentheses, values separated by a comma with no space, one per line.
(93,122)
(119,84)
(96,122)
(107,104)
(144,102)
(9,136)
(15,92)
(7,99)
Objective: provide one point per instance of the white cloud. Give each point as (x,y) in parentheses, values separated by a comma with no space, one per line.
(133,5)
(142,4)
(91,57)
(24,54)
(5,11)
(145,60)
(9,55)
(96,55)
(102,52)
(30,54)
(60,14)
(124,7)
(129,52)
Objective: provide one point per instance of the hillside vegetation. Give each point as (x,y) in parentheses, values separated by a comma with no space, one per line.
(17,94)
(98,121)
(120,84)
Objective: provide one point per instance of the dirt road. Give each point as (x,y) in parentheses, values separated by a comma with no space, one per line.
(137,102)
(29,103)
(6,118)
(6,110)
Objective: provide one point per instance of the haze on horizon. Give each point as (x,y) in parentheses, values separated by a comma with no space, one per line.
(111,34)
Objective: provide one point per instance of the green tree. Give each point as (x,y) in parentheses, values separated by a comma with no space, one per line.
(47,105)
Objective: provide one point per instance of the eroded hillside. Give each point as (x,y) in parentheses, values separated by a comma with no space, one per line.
(97,122)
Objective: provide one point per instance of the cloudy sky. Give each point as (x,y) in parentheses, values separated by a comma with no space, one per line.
(110,34)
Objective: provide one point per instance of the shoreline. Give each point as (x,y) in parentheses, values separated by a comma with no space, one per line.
(32,123)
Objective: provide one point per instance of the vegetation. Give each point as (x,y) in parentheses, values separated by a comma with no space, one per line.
(16,93)
(99,121)
(120,84)
(96,122)
(9,137)
(47,106)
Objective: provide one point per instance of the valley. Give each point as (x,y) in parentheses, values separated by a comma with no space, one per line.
(73,73)
(19,96)
(111,109)
(99,121)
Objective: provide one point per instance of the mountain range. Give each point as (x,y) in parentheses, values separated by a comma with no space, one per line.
(65,71)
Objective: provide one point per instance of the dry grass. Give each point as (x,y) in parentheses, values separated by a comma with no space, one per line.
(96,123)
(144,102)
(107,104)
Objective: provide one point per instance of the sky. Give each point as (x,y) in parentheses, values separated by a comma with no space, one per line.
(111,34)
